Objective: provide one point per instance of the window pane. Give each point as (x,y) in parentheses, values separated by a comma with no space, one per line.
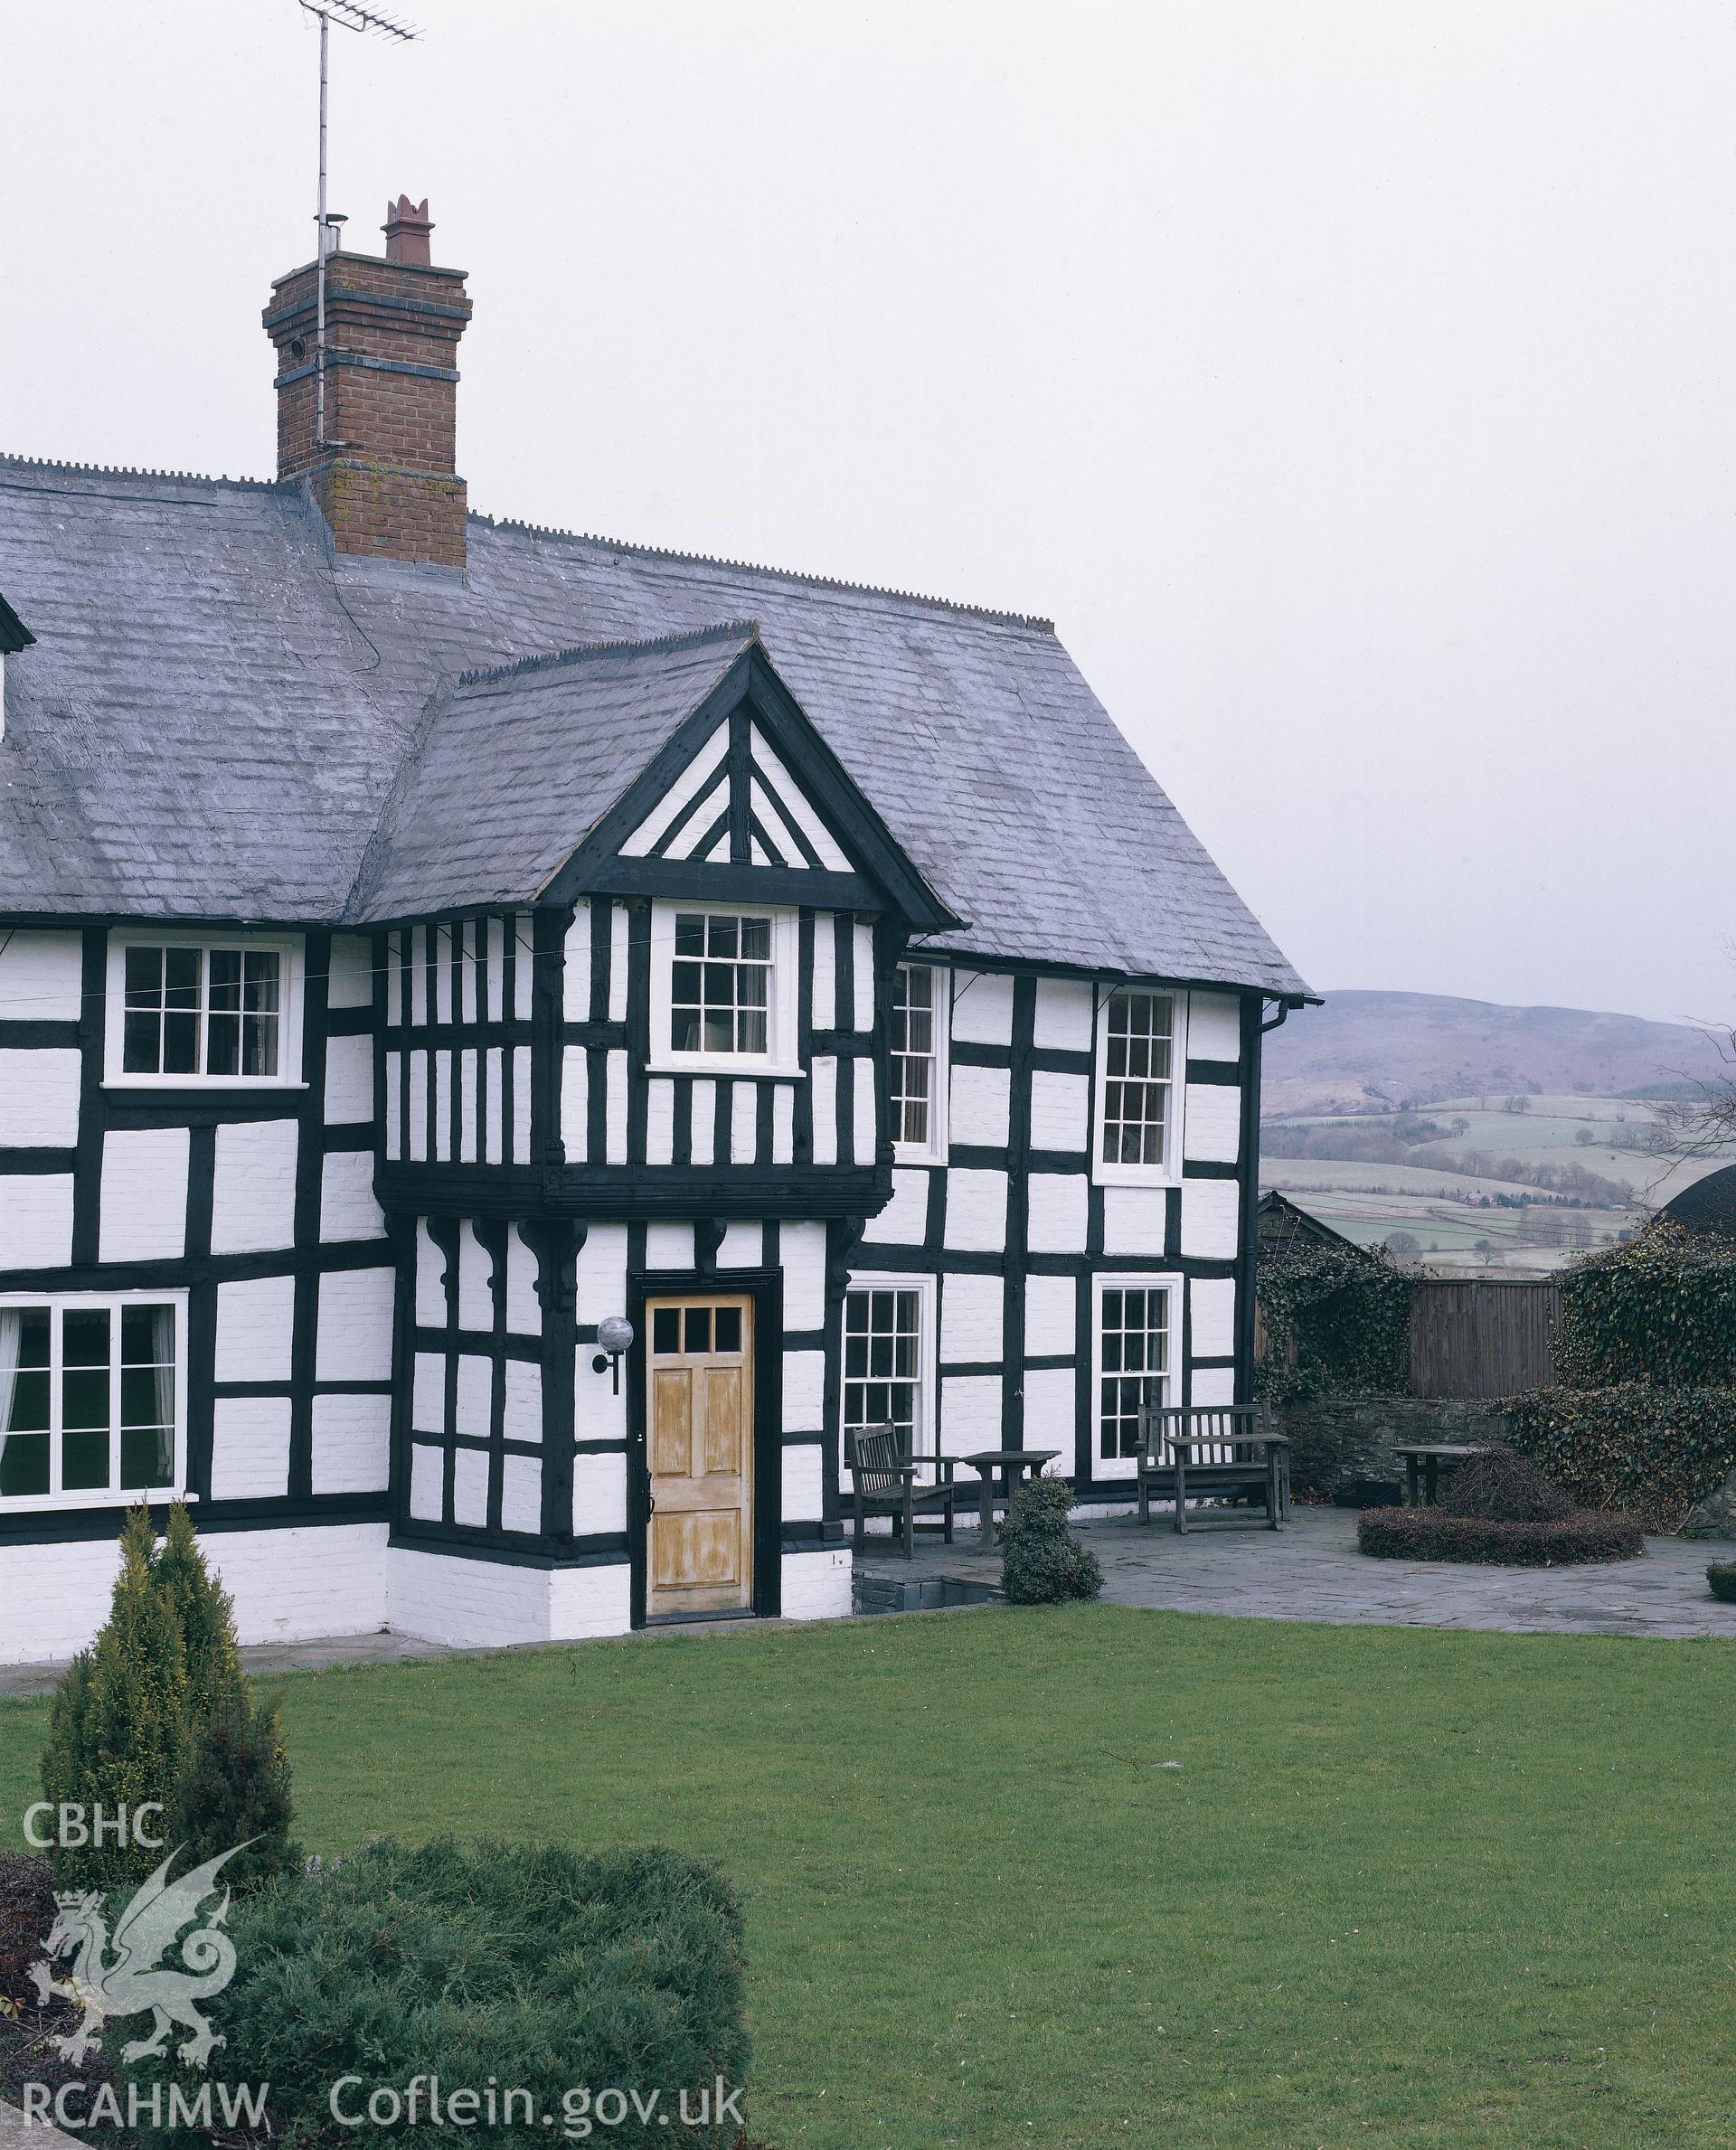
(181,977)
(225,981)
(259,1045)
(882,1357)
(29,1413)
(144,969)
(665,1329)
(728,1328)
(684,1030)
(690,934)
(721,937)
(699,1329)
(142,1398)
(180,1044)
(223,1045)
(141,1042)
(756,940)
(147,1458)
(24,1464)
(84,1337)
(84,1397)
(1136,1075)
(147,1335)
(84,1460)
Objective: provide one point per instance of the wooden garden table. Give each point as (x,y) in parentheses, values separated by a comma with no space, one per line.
(1012,1463)
(1422,1461)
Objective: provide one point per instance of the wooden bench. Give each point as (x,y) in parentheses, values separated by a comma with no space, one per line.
(883,1480)
(1210,1450)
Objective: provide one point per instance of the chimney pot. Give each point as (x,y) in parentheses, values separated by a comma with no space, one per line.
(407,227)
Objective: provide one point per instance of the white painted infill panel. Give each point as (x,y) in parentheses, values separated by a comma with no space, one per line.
(970,1413)
(427,1393)
(1050,1310)
(394,1106)
(1135,1220)
(615,1124)
(1211,1211)
(797,804)
(255,1325)
(825,971)
(1213,1026)
(804,1392)
(469,1103)
(418,1107)
(744,1115)
(350,979)
(575,970)
(719,855)
(971,1311)
(521,1105)
(430,1279)
(777,830)
(347,1207)
(39,1096)
(397,979)
(426,1483)
(352,1443)
(713,802)
(492,1140)
(904,1221)
(443,974)
(1051,1420)
(1212,1302)
(439,1101)
(1059,1212)
(668,1246)
(804,1484)
(521,1493)
(143,1210)
(470,1487)
(575,1102)
(349,1080)
(522,1420)
(598,1494)
(354,1334)
(1063,1015)
(704,1120)
(41,977)
(36,1222)
(1212,1122)
(476,1281)
(253,1201)
(416,958)
(824,1080)
(601,1276)
(250,1447)
(474,1395)
(523,1309)
(982,1006)
(862,976)
(693,779)
(497,968)
(866,1132)
(743,1247)
(1060,1111)
(1212,1384)
(783,1124)
(980,1105)
(660,1121)
(465,967)
(977,1211)
(522,927)
(621,918)
(802,1248)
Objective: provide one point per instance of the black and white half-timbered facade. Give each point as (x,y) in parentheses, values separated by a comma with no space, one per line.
(425,940)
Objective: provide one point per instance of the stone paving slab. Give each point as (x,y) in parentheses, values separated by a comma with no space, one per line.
(1312,1571)
(19,2132)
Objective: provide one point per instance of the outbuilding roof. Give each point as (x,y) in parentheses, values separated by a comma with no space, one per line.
(217,714)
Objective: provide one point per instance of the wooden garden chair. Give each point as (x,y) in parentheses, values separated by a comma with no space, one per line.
(884,1479)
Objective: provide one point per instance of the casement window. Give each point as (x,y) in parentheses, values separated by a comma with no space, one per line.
(919,1048)
(92,1399)
(888,1357)
(1141,1046)
(1138,1335)
(185,1009)
(723,990)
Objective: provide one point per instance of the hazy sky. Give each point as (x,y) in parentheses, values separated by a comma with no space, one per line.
(1351,383)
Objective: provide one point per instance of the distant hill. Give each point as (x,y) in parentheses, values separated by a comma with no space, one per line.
(1365,1049)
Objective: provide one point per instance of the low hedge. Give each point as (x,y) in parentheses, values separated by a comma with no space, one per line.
(1650,1450)
(1432,1534)
(1661,1307)
(528,1967)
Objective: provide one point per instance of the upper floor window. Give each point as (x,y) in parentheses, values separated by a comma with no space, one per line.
(90,1399)
(182,1009)
(722,990)
(1139,1044)
(919,1046)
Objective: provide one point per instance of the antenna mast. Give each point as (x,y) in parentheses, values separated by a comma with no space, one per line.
(329,228)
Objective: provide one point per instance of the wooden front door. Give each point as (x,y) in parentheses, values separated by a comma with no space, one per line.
(699,1453)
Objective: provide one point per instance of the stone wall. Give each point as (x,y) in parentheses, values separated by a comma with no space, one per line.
(1338,1438)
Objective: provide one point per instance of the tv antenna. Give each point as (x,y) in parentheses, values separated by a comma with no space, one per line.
(348,15)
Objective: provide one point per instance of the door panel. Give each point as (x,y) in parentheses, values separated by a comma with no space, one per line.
(699,1454)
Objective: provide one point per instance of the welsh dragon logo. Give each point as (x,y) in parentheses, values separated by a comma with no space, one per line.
(135,1978)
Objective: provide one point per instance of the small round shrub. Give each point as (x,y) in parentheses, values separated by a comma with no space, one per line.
(1042,1562)
(1721,1576)
(1501,1485)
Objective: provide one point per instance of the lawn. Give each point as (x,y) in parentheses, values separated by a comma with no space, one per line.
(1406,1886)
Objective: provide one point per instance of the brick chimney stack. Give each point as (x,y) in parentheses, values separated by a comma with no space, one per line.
(385,476)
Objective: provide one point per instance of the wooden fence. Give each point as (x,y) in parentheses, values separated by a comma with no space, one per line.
(1481,1337)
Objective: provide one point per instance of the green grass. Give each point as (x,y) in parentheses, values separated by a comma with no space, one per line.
(1408,1887)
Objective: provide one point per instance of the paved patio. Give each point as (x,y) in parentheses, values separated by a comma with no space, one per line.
(1312,1571)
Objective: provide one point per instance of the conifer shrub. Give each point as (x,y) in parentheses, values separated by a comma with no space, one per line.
(1042,1562)
(529,1965)
(236,1791)
(206,1614)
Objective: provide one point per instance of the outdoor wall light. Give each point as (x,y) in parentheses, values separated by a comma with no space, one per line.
(614,1336)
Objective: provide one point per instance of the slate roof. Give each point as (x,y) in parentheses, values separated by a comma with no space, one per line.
(216,716)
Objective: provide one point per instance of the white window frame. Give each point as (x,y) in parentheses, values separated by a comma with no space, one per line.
(934,1151)
(780,1057)
(1169,1281)
(1169,1174)
(111,1496)
(290,953)
(927,1349)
